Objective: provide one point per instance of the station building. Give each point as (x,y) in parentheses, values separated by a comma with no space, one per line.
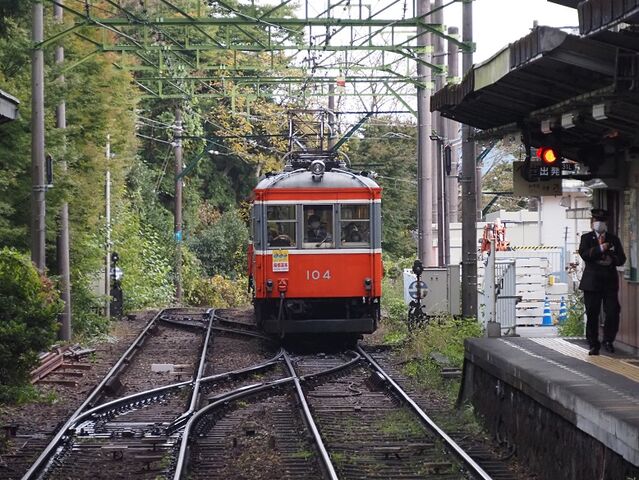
(566,414)
(580,95)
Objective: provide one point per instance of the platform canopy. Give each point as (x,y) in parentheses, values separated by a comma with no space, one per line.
(598,16)
(615,22)
(557,88)
(8,107)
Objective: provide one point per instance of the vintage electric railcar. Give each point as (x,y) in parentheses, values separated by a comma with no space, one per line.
(315,262)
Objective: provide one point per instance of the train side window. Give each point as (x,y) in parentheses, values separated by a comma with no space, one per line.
(318,226)
(281,226)
(355,223)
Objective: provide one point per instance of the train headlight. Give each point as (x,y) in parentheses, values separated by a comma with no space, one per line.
(317,168)
(368,284)
(269,285)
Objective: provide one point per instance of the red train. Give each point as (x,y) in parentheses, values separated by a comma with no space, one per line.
(315,264)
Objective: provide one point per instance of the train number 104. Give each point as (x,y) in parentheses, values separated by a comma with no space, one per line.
(318,275)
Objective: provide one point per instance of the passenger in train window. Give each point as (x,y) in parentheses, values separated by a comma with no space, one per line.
(355,225)
(355,232)
(352,233)
(316,231)
(603,253)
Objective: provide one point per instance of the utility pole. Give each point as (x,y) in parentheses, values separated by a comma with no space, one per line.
(452,128)
(451,186)
(438,124)
(469,195)
(177,131)
(63,234)
(424,157)
(107,215)
(38,188)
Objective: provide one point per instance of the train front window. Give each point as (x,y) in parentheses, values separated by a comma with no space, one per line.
(281,226)
(318,226)
(355,222)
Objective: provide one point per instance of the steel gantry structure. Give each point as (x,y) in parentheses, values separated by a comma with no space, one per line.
(208,48)
(178,51)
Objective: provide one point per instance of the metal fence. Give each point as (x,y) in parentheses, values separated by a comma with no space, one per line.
(505,296)
(555,256)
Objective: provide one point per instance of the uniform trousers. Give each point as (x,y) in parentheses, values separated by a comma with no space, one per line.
(612,308)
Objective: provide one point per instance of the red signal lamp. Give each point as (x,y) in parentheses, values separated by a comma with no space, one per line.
(548,155)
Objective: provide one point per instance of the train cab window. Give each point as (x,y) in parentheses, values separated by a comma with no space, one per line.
(318,226)
(355,222)
(281,226)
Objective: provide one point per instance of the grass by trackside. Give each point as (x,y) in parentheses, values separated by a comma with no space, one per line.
(423,350)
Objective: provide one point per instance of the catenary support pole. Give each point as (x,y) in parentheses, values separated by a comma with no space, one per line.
(438,126)
(177,130)
(469,197)
(424,157)
(453,131)
(63,233)
(107,221)
(38,188)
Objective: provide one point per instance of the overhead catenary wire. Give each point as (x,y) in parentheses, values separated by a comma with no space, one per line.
(165,163)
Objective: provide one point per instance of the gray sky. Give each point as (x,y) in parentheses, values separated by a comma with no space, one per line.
(496,23)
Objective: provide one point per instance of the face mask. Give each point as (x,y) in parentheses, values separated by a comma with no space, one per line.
(315,225)
(599,227)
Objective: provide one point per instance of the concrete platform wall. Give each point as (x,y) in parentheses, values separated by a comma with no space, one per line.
(629,322)
(542,439)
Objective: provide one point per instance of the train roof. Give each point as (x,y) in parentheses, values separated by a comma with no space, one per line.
(303,179)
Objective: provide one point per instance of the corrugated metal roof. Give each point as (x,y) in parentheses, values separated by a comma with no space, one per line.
(601,15)
(544,76)
(566,3)
(542,69)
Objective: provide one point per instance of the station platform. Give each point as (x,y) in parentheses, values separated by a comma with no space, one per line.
(566,414)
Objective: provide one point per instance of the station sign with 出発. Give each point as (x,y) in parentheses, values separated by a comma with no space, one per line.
(539,180)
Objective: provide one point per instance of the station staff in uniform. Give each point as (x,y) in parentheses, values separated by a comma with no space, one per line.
(603,253)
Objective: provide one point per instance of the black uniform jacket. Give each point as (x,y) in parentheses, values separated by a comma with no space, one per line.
(600,273)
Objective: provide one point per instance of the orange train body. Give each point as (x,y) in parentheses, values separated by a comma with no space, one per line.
(315,261)
(329,275)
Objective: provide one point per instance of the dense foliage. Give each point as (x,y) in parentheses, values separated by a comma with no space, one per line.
(221,245)
(389,147)
(229,141)
(29,306)
(497,176)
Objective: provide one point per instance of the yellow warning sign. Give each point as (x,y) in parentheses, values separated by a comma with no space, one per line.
(280,260)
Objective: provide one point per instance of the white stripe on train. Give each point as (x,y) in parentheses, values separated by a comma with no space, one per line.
(318,202)
(323,251)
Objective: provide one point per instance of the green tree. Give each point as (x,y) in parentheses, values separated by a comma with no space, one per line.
(498,177)
(146,261)
(389,147)
(221,245)
(29,306)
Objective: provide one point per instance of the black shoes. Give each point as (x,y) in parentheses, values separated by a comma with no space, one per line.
(608,346)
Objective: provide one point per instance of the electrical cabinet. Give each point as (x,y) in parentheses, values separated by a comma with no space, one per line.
(441,292)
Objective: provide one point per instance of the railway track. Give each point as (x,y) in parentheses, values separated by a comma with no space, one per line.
(244,408)
(118,428)
(352,421)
